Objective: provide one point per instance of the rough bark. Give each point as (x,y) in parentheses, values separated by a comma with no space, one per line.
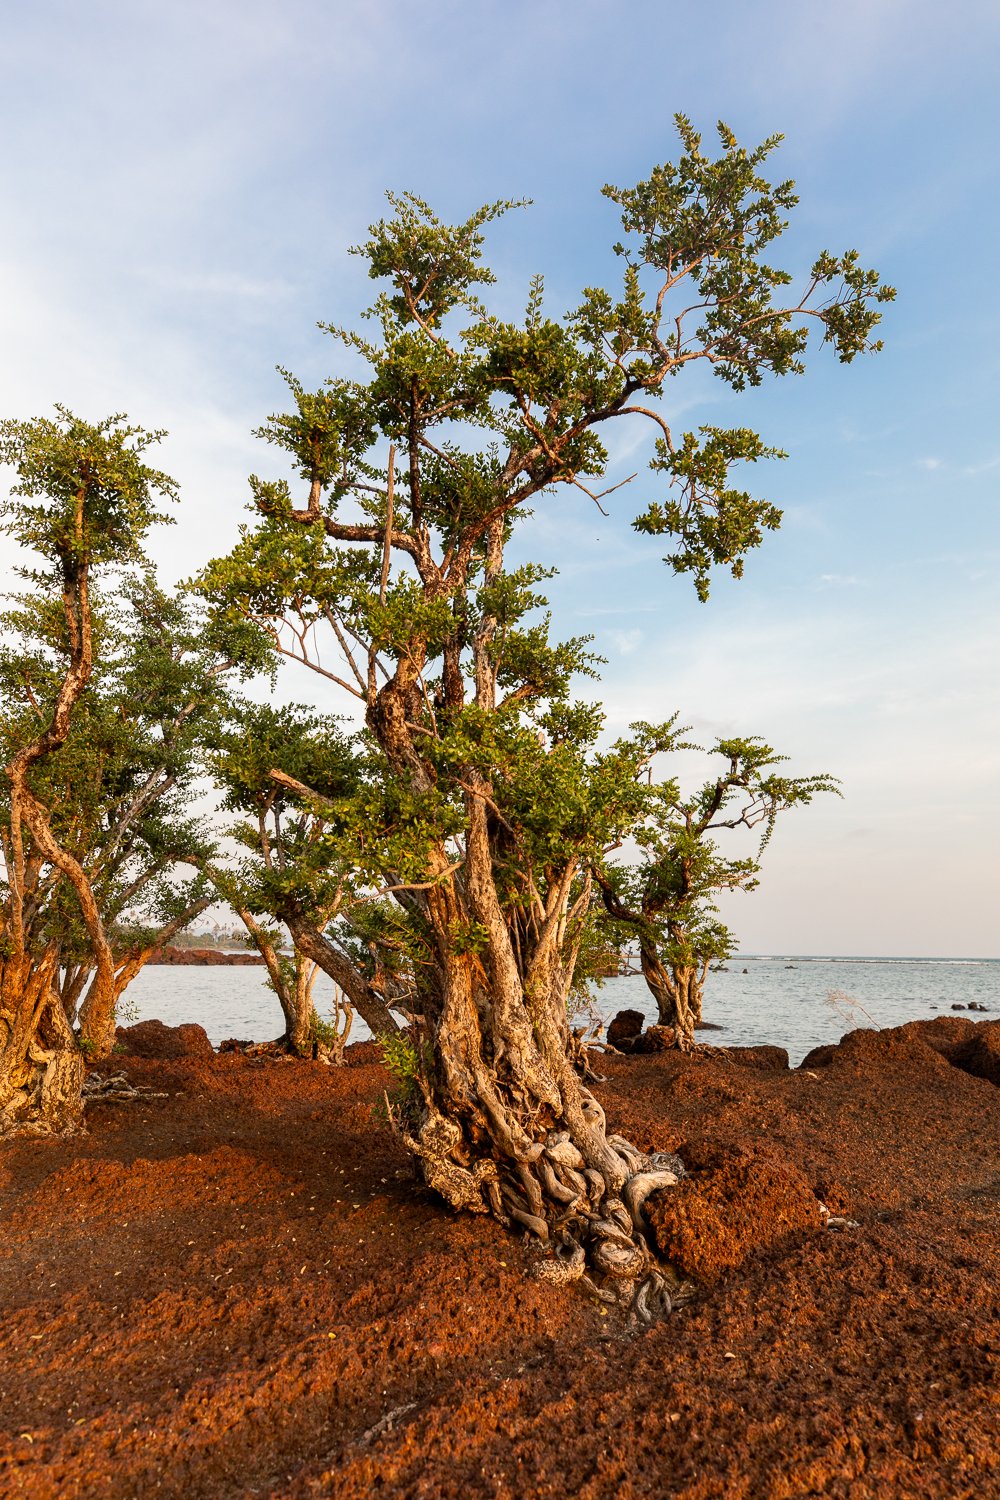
(41,1072)
(502,1122)
(504,1125)
(677,990)
(41,1069)
(296,997)
(366,1000)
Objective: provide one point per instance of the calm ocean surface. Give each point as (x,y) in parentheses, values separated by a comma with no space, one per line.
(781,1000)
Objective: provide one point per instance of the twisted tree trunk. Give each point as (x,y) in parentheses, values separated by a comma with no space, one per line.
(41,1069)
(677,990)
(503,1123)
(296,998)
(364,998)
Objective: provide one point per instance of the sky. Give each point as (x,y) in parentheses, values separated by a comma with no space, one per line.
(178,193)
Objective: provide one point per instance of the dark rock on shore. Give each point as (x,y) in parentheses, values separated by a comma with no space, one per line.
(653,1039)
(625,1033)
(625,1027)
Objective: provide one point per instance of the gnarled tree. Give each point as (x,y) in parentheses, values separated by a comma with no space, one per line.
(120,792)
(665,901)
(488,800)
(83,501)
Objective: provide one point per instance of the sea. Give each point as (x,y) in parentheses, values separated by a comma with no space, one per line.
(788,1000)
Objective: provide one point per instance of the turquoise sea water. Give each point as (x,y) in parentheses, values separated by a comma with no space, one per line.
(780,999)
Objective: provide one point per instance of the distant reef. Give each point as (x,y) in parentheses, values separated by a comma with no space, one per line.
(202,956)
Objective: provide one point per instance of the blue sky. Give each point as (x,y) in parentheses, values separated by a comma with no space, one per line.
(179,188)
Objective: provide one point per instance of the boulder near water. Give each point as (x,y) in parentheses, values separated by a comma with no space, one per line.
(153,1039)
(625,1027)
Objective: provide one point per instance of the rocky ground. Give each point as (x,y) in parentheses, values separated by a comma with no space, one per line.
(232,1286)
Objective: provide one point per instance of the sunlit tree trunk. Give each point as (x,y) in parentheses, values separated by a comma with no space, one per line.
(503,1122)
(41,1071)
(677,989)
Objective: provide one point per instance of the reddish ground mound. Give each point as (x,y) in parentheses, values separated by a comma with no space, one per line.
(238,1289)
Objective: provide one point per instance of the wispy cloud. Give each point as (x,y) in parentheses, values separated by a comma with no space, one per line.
(219,283)
(627,641)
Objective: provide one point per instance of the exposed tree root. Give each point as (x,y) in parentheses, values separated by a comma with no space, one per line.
(581,1199)
(608,1248)
(117,1089)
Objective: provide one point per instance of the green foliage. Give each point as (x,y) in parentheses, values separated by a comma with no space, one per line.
(408,1064)
(402,1060)
(118,791)
(326,1033)
(666,899)
(714,522)
(327,434)
(83,493)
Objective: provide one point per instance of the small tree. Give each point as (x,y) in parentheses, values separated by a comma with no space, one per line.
(121,789)
(291,873)
(666,901)
(84,500)
(488,799)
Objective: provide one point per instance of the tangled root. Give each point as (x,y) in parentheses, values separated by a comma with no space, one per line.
(568,1265)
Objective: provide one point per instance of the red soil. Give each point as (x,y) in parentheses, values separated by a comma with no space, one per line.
(238,1289)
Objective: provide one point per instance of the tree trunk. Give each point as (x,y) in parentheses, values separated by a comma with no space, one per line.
(299,1013)
(677,990)
(503,1124)
(295,999)
(41,1069)
(366,1000)
(305,1034)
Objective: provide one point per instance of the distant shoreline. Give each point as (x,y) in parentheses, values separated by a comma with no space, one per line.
(855,958)
(203,957)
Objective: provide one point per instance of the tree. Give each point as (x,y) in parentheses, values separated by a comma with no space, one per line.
(83,502)
(120,792)
(290,873)
(665,901)
(487,800)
